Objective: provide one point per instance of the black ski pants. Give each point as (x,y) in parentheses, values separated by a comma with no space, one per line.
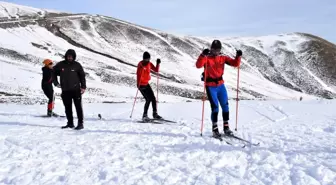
(76,97)
(49,92)
(149,96)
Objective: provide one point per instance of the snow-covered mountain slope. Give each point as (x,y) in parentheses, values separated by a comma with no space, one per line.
(296,147)
(274,67)
(14,11)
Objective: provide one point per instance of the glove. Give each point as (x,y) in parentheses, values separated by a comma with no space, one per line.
(58,85)
(158,61)
(239,53)
(82,90)
(206,52)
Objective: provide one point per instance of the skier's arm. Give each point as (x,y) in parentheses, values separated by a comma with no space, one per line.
(55,74)
(155,68)
(201,61)
(81,75)
(139,73)
(234,62)
(202,58)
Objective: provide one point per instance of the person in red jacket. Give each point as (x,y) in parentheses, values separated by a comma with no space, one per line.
(214,64)
(143,77)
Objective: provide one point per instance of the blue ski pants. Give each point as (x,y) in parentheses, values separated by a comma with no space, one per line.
(218,95)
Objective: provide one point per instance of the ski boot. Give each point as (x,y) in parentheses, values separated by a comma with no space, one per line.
(79,126)
(71,125)
(49,113)
(145,118)
(227,130)
(156,116)
(215,132)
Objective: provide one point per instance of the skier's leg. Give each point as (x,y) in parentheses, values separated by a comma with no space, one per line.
(152,99)
(67,101)
(77,97)
(48,91)
(223,100)
(224,103)
(212,96)
(144,92)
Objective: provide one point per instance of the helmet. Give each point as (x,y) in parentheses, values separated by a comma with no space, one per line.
(216,44)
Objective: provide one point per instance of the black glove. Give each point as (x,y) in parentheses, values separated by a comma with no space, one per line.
(239,53)
(158,61)
(206,52)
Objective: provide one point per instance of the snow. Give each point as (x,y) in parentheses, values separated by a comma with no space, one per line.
(297,145)
(25,36)
(123,45)
(297,137)
(11,10)
(325,86)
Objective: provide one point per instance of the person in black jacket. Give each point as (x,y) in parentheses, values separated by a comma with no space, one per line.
(47,86)
(73,85)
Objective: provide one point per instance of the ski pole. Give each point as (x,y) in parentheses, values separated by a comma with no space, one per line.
(157,87)
(136,95)
(237,98)
(203,98)
(53,104)
(134,101)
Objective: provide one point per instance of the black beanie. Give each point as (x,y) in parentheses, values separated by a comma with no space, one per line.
(146,55)
(216,44)
(70,52)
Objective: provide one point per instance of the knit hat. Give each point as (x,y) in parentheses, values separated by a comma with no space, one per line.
(47,62)
(146,55)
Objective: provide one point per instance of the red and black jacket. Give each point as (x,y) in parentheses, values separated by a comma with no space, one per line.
(47,79)
(143,72)
(214,67)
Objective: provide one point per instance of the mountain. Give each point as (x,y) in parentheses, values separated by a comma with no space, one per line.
(286,66)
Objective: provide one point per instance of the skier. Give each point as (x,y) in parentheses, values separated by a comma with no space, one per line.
(47,86)
(73,85)
(214,64)
(143,76)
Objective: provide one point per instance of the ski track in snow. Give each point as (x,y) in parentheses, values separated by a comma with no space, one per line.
(117,150)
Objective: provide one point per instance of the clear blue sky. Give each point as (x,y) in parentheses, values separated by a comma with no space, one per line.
(212,17)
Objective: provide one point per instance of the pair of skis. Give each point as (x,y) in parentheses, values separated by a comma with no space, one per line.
(153,121)
(156,121)
(52,115)
(245,142)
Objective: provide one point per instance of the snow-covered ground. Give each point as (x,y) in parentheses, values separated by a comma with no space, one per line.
(297,146)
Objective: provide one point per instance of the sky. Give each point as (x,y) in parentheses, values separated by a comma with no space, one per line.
(218,18)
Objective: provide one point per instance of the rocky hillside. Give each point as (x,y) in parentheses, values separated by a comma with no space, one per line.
(284,66)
